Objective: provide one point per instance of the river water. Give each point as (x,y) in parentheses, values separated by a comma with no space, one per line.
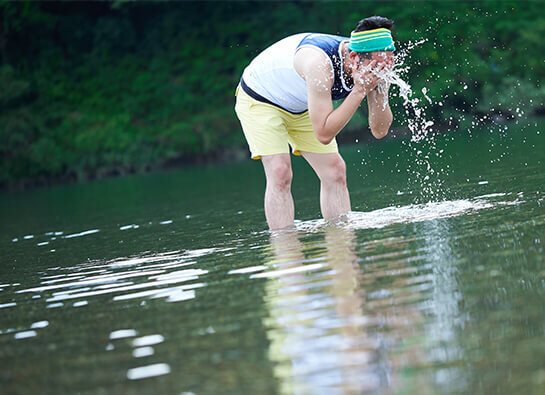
(170,283)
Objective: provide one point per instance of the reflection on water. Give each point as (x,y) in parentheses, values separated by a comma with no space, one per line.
(122,275)
(317,324)
(441,297)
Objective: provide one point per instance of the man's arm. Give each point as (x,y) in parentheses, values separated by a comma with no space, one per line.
(315,68)
(380,115)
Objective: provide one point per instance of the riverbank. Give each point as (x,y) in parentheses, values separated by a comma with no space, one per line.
(358,133)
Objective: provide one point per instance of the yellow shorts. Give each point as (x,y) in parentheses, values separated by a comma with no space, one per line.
(269,129)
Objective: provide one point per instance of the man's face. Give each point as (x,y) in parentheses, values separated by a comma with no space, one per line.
(386,57)
(381,57)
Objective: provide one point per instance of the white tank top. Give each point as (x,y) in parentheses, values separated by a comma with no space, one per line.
(275,64)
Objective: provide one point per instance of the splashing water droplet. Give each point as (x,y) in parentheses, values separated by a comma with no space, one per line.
(423,178)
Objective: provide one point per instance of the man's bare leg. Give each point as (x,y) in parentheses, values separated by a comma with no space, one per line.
(279,209)
(331,169)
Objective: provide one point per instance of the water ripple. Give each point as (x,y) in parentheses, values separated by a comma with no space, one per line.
(151,276)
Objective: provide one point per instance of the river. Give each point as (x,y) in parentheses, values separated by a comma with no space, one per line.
(169,282)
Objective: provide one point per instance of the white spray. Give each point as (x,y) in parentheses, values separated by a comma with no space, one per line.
(424,181)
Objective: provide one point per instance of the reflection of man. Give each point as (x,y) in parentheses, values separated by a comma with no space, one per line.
(317,338)
(331,329)
(286,97)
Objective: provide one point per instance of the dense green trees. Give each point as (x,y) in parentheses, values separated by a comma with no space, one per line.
(91,89)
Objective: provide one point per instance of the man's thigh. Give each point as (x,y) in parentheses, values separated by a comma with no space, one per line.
(263,126)
(301,137)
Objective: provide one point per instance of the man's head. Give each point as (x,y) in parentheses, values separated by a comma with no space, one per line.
(372,23)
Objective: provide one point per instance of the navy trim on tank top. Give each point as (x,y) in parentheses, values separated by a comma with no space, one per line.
(330,45)
(254,95)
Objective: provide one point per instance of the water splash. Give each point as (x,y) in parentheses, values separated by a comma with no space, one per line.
(412,213)
(425,181)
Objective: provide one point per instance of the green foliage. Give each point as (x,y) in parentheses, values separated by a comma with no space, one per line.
(512,96)
(89,89)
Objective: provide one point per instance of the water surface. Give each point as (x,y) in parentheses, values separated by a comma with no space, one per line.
(170,283)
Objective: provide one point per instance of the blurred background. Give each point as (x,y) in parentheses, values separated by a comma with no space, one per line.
(166,280)
(96,89)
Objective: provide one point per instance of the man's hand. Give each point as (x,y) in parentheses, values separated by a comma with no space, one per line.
(380,114)
(367,77)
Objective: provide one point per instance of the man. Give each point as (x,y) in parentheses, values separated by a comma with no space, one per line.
(286,97)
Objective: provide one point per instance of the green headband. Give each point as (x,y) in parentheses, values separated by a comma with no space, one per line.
(371,40)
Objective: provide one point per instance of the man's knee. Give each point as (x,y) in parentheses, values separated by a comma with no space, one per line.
(279,174)
(336,172)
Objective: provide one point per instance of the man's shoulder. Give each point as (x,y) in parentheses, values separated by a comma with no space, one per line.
(320,46)
(311,53)
(312,64)
(327,42)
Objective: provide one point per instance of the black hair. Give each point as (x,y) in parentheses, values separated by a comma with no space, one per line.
(374,22)
(370,23)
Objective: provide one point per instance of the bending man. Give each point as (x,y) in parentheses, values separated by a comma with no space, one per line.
(286,95)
